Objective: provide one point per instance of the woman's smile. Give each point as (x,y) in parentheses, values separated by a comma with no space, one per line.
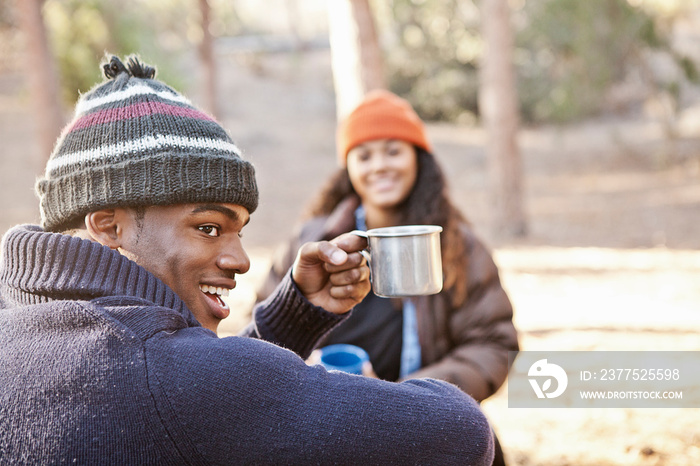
(383,172)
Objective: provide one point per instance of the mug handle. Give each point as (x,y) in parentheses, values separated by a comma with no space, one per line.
(364,252)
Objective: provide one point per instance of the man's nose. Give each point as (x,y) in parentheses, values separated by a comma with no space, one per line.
(234,258)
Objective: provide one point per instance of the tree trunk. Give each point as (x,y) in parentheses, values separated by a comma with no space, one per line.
(206,56)
(42,74)
(356,57)
(371,60)
(294,18)
(498,105)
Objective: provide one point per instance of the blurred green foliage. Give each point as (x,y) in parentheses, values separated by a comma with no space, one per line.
(162,32)
(82,32)
(568,54)
(432,56)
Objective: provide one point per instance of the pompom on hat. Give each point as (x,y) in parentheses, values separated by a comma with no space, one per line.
(134,141)
(380,115)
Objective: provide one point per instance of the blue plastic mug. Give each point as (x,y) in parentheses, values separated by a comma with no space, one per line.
(343,357)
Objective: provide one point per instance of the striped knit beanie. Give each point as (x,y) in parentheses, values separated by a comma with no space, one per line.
(136,142)
(380,115)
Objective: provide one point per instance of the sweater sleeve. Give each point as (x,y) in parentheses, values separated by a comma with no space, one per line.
(285,254)
(245,401)
(286,318)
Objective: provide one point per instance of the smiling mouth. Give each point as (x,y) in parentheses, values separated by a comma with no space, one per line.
(383,184)
(214,296)
(214,290)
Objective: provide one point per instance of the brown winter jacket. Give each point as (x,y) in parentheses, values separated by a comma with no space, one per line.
(467,346)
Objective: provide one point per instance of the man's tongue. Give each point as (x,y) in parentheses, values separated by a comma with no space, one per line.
(219,308)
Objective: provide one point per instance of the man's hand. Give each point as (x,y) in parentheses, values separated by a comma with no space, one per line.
(332,274)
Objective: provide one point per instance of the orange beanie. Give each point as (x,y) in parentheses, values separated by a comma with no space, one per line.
(380,115)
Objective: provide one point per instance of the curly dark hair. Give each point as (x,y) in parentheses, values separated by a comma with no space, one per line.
(427,204)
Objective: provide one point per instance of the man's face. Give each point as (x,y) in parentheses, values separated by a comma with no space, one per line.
(195,249)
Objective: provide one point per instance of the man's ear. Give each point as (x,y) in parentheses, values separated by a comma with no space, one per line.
(106,227)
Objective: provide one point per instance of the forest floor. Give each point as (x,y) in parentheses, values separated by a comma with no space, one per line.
(611,262)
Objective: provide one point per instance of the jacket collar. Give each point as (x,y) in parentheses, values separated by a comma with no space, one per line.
(342,219)
(38,267)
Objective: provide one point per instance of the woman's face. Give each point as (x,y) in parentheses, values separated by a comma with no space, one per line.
(383,172)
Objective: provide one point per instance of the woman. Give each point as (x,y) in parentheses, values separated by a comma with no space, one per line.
(389,177)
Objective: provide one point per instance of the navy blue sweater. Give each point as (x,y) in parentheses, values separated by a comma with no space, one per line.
(101,363)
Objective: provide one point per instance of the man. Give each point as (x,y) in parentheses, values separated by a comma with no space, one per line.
(107,328)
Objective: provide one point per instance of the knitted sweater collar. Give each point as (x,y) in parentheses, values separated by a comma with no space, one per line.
(39,267)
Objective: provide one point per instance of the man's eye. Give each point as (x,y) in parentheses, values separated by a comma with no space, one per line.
(211,230)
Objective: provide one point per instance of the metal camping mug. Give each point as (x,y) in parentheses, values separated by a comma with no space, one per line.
(404,260)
